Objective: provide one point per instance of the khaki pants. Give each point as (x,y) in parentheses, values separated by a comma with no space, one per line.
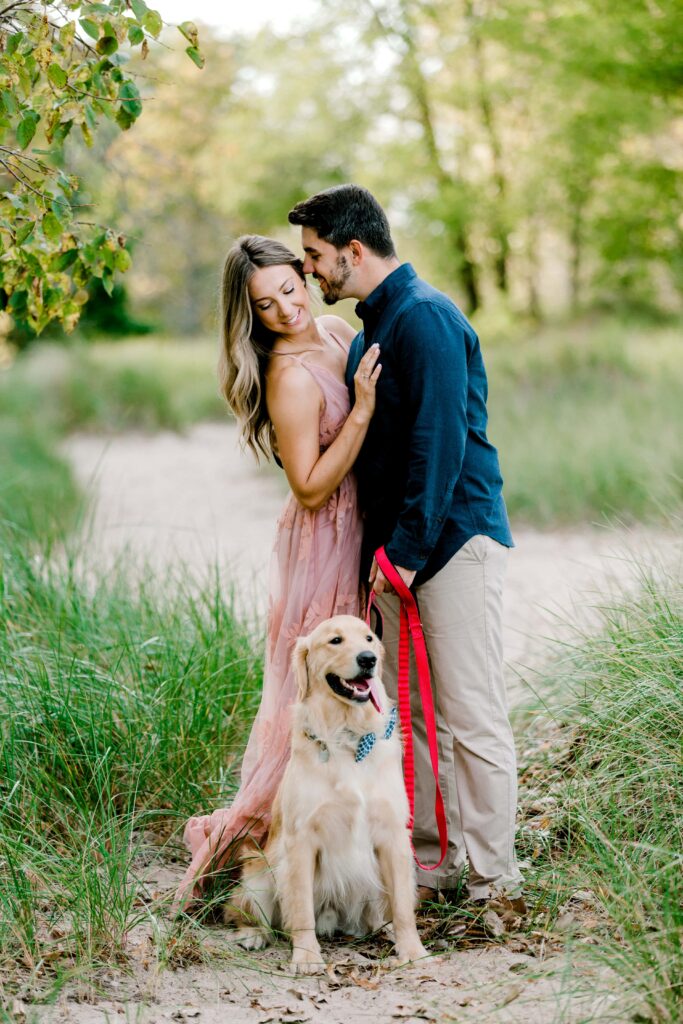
(461,612)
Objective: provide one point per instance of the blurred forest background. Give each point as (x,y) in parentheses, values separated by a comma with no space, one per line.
(529,154)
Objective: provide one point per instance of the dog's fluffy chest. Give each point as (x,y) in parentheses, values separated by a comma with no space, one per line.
(342,808)
(326,773)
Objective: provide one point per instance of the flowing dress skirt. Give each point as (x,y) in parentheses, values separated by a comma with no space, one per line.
(314,575)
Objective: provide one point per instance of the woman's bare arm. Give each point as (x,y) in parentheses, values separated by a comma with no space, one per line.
(294,406)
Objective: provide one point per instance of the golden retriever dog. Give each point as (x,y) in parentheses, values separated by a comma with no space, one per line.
(338,855)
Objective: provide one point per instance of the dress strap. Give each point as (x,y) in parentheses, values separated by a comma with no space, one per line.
(342,345)
(290,355)
(312,369)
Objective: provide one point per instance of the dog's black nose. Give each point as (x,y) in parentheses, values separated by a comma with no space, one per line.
(366,660)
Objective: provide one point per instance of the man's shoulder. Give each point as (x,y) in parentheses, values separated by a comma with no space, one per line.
(423,300)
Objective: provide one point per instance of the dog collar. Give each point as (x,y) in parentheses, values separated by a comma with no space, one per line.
(323,749)
(365,743)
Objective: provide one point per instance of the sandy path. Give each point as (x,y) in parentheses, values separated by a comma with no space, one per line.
(196,498)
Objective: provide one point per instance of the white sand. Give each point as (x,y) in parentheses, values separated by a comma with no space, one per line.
(197,499)
(167,498)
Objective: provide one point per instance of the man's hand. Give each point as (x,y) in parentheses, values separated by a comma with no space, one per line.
(381,585)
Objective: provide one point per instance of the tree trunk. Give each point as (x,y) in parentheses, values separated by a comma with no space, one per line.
(488,119)
(576,242)
(416,83)
(534,303)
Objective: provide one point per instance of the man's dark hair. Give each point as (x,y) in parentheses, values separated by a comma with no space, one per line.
(344,212)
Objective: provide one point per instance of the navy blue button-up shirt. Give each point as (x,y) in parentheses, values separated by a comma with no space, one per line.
(428,478)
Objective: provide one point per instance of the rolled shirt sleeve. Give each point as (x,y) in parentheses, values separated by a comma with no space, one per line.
(432,357)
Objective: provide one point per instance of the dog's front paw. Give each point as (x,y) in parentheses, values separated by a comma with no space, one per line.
(250,939)
(408,954)
(307,961)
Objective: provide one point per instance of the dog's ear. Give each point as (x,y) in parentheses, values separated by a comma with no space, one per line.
(300,668)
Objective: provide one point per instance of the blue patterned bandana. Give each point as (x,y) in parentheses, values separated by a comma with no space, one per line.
(367,742)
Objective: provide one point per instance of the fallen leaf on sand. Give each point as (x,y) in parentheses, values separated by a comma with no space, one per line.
(417,1013)
(566,922)
(17,1010)
(520,945)
(340,975)
(512,993)
(493,924)
(284,1018)
(518,968)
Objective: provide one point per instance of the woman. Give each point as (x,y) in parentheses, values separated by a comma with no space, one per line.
(282,373)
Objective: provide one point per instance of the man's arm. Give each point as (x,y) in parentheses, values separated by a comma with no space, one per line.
(432,351)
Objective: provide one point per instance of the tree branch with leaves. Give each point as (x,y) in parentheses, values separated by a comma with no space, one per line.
(63,72)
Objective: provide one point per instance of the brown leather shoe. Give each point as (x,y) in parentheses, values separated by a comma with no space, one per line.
(499,914)
(425,894)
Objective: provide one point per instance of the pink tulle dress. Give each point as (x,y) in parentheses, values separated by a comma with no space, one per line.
(314,575)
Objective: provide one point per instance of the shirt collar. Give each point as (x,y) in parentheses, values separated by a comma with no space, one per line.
(378,300)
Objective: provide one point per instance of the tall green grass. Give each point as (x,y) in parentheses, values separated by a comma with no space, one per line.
(588,422)
(113,386)
(615,823)
(123,710)
(123,705)
(587,417)
(38,494)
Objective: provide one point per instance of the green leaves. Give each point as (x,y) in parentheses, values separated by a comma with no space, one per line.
(153,23)
(189,30)
(56,78)
(25,232)
(131,104)
(107,45)
(90,27)
(195,56)
(26,128)
(14,41)
(122,260)
(63,260)
(57,75)
(9,101)
(139,8)
(52,229)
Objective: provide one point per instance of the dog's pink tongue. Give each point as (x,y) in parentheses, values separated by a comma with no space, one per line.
(374,695)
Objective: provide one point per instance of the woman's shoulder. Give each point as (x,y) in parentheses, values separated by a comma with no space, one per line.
(337,326)
(289,377)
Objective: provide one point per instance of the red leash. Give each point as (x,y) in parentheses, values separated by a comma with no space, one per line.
(411,628)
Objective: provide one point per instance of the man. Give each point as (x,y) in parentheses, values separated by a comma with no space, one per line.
(431,492)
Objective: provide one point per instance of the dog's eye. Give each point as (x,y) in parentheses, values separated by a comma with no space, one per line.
(336,640)
(369,639)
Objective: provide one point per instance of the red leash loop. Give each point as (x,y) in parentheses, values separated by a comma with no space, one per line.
(411,628)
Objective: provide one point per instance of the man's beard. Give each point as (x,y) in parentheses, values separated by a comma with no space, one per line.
(336,283)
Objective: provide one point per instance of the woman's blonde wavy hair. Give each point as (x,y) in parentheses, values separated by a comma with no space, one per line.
(245,342)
